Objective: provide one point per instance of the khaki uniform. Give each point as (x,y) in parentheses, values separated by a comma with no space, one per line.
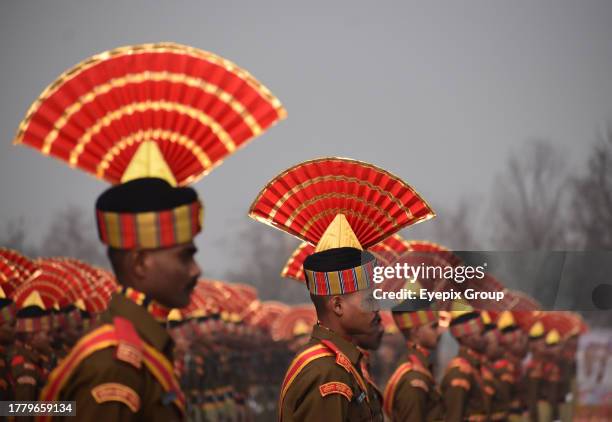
(496,394)
(567,389)
(376,396)
(26,373)
(509,378)
(121,370)
(5,387)
(411,393)
(542,390)
(325,383)
(462,389)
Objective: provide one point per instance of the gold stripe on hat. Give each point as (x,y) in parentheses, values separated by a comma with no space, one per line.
(182,223)
(334,281)
(361,278)
(113,228)
(147,229)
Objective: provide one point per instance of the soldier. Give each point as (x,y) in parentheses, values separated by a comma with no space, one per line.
(496,393)
(462,386)
(543,374)
(149,119)
(32,349)
(508,366)
(318,201)
(367,344)
(411,393)
(124,369)
(568,377)
(7,336)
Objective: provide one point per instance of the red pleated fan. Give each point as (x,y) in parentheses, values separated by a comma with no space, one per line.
(196,106)
(304,200)
(24,266)
(300,316)
(435,248)
(53,291)
(9,277)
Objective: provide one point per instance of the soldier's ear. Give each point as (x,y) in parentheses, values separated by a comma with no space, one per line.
(336,305)
(139,263)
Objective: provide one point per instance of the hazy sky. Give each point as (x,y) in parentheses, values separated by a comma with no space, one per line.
(436,92)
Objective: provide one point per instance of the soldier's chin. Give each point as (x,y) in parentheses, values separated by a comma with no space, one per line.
(184,299)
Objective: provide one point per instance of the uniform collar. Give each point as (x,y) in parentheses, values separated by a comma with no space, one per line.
(320,332)
(146,325)
(473,357)
(420,352)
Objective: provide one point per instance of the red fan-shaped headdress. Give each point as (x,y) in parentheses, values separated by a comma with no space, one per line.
(267,314)
(425,246)
(297,321)
(164,110)
(26,268)
(94,285)
(305,199)
(340,206)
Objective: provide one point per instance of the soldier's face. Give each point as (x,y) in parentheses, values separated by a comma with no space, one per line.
(7,334)
(360,314)
(370,341)
(428,335)
(475,341)
(493,351)
(537,347)
(171,274)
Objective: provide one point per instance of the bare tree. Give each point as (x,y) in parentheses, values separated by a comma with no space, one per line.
(14,236)
(455,228)
(261,255)
(529,198)
(592,198)
(72,233)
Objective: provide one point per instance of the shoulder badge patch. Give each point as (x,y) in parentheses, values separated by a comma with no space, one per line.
(419,384)
(129,347)
(112,391)
(460,382)
(461,364)
(336,387)
(26,379)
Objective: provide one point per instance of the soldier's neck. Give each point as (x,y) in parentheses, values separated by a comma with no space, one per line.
(335,326)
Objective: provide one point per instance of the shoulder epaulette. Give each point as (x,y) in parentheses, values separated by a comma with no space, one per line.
(17,360)
(129,345)
(502,363)
(389,394)
(297,365)
(104,337)
(419,367)
(345,362)
(460,363)
(487,374)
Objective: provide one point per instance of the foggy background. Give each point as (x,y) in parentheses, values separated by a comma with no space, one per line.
(498,113)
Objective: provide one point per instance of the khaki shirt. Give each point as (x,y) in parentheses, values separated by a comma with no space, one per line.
(414,395)
(310,396)
(462,388)
(107,388)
